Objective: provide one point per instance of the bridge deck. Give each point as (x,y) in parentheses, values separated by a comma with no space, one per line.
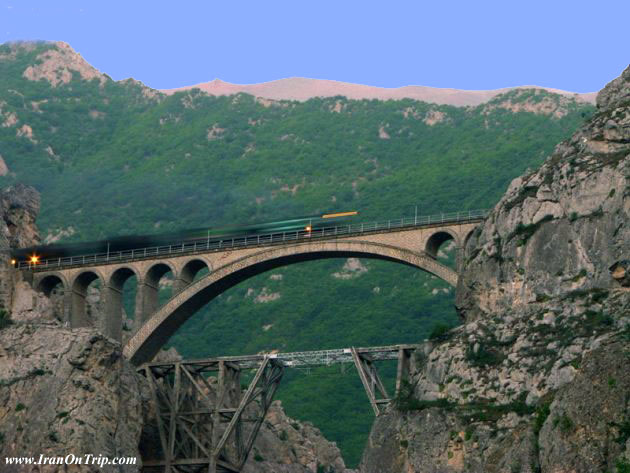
(278,238)
(293,359)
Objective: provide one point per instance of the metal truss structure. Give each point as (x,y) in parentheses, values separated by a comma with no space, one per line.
(206,423)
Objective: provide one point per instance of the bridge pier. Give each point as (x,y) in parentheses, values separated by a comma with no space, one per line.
(205,425)
(146,302)
(459,258)
(78,310)
(403,372)
(111,320)
(374,388)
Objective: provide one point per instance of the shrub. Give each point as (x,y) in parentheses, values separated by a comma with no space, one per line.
(5,320)
(439,332)
(564,422)
(623,466)
(542,413)
(406,401)
(526,231)
(484,356)
(624,432)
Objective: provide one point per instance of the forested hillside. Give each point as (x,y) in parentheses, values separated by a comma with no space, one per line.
(116,158)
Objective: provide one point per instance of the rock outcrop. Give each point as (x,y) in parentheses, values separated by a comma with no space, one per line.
(19,207)
(536,380)
(64,392)
(285,445)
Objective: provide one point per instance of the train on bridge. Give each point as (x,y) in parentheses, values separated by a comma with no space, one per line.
(35,254)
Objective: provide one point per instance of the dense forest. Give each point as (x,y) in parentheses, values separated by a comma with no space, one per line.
(113,158)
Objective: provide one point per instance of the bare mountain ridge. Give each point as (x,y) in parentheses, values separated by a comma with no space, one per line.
(58,64)
(301,89)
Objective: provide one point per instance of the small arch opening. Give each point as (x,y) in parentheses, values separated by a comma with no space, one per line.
(122,301)
(156,288)
(193,271)
(51,284)
(86,299)
(54,288)
(161,278)
(441,246)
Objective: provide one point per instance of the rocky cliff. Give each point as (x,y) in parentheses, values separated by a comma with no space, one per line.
(537,378)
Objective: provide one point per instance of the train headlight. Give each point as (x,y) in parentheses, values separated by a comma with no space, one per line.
(34,259)
(13,262)
(308,228)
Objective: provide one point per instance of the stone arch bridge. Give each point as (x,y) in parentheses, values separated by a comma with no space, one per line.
(414,242)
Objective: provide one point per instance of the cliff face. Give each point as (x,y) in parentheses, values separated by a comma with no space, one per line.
(19,206)
(537,378)
(560,228)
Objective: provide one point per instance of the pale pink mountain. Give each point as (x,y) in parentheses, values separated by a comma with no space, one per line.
(299,88)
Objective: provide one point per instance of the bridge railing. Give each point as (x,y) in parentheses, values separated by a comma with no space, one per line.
(204,245)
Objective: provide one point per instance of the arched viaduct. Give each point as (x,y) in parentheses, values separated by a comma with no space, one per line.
(415,246)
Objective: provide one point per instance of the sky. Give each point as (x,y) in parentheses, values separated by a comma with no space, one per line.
(571,45)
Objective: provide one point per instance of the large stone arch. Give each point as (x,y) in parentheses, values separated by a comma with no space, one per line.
(163,323)
(79,286)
